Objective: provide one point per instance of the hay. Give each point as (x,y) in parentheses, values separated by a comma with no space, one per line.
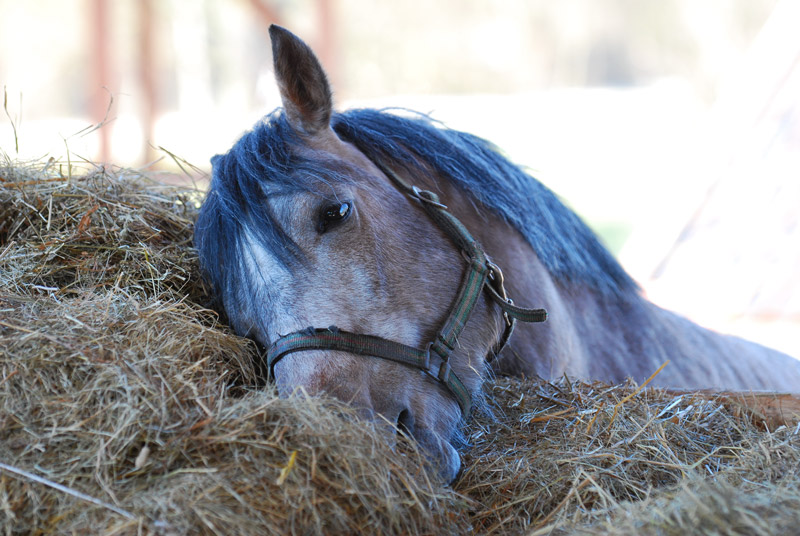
(566,457)
(127,406)
(102,230)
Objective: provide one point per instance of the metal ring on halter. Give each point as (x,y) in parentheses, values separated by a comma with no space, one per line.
(498,282)
(427,196)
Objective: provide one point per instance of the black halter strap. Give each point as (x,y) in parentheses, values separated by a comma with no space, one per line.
(481,274)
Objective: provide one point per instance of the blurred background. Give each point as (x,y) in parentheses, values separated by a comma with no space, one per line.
(671,126)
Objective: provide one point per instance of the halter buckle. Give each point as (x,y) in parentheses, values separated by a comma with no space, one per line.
(498,282)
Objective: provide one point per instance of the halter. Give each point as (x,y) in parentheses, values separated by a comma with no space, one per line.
(481,274)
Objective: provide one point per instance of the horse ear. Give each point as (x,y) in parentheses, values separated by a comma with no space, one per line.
(304,88)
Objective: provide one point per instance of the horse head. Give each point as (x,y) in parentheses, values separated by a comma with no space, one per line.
(300,228)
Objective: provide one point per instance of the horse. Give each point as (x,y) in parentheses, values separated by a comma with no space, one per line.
(375,255)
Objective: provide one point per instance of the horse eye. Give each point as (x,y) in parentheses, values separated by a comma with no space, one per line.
(333,215)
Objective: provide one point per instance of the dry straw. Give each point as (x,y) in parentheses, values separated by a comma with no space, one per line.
(128,407)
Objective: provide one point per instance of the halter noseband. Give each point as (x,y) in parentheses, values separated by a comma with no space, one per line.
(481,274)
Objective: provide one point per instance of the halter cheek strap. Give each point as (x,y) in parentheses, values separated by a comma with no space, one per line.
(481,274)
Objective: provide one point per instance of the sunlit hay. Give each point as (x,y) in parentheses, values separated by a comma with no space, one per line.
(64,230)
(119,385)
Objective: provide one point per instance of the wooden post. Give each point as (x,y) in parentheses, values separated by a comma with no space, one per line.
(147,77)
(766,409)
(326,47)
(100,90)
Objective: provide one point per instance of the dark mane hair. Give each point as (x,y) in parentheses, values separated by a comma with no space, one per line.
(262,163)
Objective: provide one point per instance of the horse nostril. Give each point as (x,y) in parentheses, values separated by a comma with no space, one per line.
(405,423)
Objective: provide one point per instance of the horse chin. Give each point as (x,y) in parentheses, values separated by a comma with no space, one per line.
(450,463)
(441,453)
(431,421)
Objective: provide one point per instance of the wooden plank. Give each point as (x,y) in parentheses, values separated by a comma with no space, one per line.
(101,89)
(148,77)
(768,409)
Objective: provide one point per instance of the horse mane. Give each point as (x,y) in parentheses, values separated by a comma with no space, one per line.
(563,242)
(262,163)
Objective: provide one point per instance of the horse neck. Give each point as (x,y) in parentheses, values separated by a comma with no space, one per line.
(600,335)
(548,349)
(622,337)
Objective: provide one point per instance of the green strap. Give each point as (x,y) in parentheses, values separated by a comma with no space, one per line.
(477,272)
(461,310)
(333,338)
(518,313)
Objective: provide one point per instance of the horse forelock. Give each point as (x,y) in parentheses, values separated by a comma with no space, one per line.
(262,164)
(564,243)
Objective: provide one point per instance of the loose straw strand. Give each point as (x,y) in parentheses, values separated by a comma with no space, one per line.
(30,476)
(636,392)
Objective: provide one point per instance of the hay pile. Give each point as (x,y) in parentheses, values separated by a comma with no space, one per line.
(590,458)
(127,407)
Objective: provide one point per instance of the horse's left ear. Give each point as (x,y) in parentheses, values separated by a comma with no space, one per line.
(304,88)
